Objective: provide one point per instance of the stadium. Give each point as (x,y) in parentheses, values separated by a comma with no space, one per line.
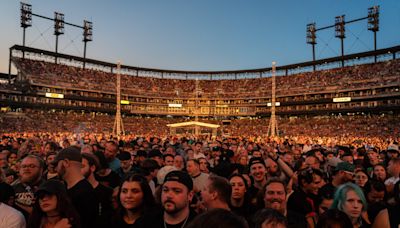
(354,88)
(92,143)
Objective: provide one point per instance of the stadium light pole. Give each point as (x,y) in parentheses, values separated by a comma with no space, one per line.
(26,21)
(373,23)
(311,39)
(87,36)
(340,32)
(58,28)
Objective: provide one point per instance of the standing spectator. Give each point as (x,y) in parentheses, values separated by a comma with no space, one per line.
(240,200)
(176,194)
(199,178)
(257,171)
(53,207)
(80,191)
(216,193)
(126,168)
(135,201)
(103,193)
(110,153)
(31,172)
(343,173)
(379,172)
(11,218)
(275,198)
(394,170)
(350,199)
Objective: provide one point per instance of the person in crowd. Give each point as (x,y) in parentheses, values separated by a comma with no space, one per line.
(126,168)
(168,159)
(103,193)
(110,153)
(216,193)
(204,165)
(199,178)
(343,173)
(53,207)
(394,170)
(30,173)
(361,178)
(240,201)
(268,217)
(176,195)
(68,163)
(375,193)
(157,156)
(218,217)
(389,217)
(275,198)
(104,174)
(50,172)
(325,200)
(379,172)
(135,202)
(350,199)
(179,162)
(258,172)
(305,198)
(10,217)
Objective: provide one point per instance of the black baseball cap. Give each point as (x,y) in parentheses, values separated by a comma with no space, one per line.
(180,177)
(71,153)
(51,187)
(256,160)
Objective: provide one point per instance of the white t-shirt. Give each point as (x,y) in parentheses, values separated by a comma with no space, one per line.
(11,218)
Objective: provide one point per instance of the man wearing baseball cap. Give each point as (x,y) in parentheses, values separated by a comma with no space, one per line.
(257,171)
(68,163)
(176,195)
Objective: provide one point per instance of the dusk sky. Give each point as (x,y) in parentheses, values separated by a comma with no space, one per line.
(202,35)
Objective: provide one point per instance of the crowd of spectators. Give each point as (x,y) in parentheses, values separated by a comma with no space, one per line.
(81,178)
(359,76)
(378,129)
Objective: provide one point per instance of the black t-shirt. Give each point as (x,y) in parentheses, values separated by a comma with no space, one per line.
(156,220)
(112,180)
(104,208)
(84,199)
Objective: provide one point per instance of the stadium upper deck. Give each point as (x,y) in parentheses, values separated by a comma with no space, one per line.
(370,86)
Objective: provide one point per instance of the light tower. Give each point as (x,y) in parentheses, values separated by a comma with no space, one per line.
(118,128)
(273,124)
(373,22)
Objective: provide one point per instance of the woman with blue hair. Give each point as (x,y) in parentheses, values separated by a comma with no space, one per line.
(350,199)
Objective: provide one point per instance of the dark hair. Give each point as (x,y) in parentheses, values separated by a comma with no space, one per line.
(148,201)
(102,160)
(92,160)
(270,216)
(307,175)
(218,218)
(334,218)
(64,207)
(149,164)
(222,186)
(54,147)
(6,192)
(241,176)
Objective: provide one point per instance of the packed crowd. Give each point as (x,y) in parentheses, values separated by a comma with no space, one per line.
(359,76)
(74,179)
(372,129)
